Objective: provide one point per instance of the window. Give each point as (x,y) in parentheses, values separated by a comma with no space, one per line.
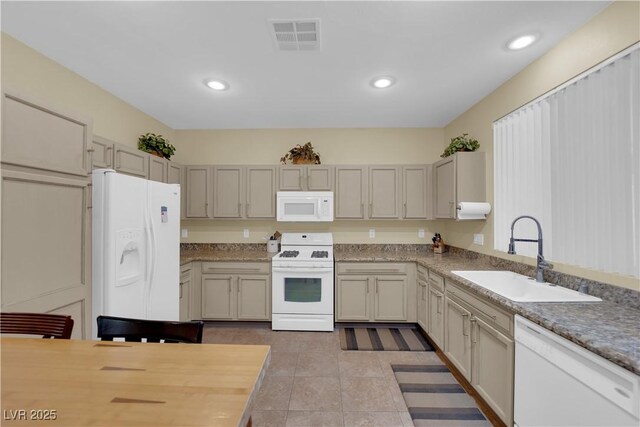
(571,158)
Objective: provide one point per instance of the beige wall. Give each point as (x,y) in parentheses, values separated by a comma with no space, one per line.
(616,28)
(221,231)
(336,146)
(33,75)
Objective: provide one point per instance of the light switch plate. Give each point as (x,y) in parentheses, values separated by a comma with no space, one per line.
(478,239)
(184,233)
(421,233)
(372,233)
(245,233)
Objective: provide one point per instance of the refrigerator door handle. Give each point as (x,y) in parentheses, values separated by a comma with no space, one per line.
(148,260)
(152,252)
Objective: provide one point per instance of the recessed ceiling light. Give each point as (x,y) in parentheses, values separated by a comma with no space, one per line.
(217,85)
(383,82)
(522,41)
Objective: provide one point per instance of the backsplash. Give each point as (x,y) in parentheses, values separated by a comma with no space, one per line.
(615,294)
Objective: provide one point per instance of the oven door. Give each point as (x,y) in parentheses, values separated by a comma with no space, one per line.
(302,290)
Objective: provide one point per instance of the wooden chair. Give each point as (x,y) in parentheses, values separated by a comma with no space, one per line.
(153,330)
(47,325)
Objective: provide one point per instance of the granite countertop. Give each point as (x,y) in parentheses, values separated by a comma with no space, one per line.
(187,256)
(605,328)
(608,329)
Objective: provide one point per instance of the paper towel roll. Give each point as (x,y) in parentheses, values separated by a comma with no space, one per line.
(473,210)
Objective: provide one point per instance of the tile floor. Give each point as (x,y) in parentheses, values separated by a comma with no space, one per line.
(312,382)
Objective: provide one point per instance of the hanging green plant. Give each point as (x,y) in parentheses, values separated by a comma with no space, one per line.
(301,154)
(156,145)
(461,143)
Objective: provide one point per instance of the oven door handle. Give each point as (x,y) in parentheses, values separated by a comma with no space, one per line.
(310,270)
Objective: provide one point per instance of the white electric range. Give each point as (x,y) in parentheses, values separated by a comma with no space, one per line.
(302,283)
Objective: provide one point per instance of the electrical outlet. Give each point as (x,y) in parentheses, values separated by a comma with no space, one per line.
(184,233)
(420,233)
(372,233)
(245,233)
(478,239)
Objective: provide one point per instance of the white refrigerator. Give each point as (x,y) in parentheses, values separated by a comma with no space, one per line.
(136,247)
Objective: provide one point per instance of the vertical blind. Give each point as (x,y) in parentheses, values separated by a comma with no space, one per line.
(571,158)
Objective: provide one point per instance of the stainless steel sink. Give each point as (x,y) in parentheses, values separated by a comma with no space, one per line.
(519,288)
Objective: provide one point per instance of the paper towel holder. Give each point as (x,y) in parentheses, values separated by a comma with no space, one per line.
(472,211)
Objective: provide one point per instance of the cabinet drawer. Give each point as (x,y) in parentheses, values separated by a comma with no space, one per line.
(436,281)
(483,309)
(371,268)
(236,267)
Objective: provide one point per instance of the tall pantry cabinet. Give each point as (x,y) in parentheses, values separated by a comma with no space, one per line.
(46,210)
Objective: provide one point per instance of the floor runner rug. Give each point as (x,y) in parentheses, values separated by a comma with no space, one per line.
(435,398)
(383,339)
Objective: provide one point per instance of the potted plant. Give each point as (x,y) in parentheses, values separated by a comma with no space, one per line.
(156,145)
(461,143)
(301,154)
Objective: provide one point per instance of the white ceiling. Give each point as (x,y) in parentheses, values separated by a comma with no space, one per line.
(446,56)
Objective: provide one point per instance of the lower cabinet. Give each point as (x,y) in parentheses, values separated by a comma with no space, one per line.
(375,292)
(235,291)
(458,336)
(422,297)
(435,309)
(185,292)
(479,342)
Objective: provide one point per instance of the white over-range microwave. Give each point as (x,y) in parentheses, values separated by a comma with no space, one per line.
(305,206)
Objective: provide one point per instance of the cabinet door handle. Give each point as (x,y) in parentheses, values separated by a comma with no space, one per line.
(370,209)
(376,285)
(404,211)
(117,159)
(109,158)
(367,285)
(239,209)
(362,209)
(439,303)
(474,339)
(464,323)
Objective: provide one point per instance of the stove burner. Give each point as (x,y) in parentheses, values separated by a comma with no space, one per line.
(320,254)
(289,254)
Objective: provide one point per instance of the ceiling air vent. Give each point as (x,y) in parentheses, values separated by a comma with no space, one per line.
(299,34)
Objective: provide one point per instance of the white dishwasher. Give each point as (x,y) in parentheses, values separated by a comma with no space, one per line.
(558,383)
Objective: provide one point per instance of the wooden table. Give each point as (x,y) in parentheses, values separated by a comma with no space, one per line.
(93,383)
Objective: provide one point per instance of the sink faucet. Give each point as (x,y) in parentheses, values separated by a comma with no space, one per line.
(541,264)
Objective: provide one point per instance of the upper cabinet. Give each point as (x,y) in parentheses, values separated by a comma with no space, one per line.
(351,192)
(417,200)
(102,154)
(458,178)
(174,174)
(158,168)
(59,142)
(384,192)
(198,192)
(306,178)
(244,192)
(130,161)
(228,192)
(261,195)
